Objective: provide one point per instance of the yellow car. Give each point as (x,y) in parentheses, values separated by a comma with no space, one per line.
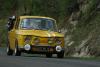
(34,34)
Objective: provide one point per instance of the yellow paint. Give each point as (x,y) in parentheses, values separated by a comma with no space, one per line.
(20,35)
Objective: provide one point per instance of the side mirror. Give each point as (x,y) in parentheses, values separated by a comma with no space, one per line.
(12,18)
(59,31)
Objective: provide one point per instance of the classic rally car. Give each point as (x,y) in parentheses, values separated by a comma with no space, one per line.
(34,34)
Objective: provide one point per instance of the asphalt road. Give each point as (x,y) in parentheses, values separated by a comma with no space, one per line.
(27,60)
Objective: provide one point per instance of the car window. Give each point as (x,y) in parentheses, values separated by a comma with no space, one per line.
(38,23)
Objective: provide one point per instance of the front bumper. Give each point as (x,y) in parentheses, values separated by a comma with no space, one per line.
(37,49)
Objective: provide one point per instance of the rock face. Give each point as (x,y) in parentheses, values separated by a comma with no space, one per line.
(82,37)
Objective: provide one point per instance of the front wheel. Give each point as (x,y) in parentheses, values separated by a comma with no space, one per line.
(9,51)
(60,55)
(17,52)
(48,55)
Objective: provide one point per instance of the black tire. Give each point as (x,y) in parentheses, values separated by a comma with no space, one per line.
(48,55)
(17,52)
(60,55)
(9,51)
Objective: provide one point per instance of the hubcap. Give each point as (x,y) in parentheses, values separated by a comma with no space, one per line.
(7,49)
(15,50)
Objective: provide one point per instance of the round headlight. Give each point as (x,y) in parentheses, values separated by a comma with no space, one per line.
(58,42)
(50,42)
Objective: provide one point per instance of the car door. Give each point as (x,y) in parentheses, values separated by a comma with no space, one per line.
(12,35)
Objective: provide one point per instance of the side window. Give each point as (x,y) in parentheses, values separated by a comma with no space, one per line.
(17,23)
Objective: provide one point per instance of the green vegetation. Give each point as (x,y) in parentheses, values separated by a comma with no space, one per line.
(79,17)
(85,58)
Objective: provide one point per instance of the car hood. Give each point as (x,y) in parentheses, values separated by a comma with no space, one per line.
(39,33)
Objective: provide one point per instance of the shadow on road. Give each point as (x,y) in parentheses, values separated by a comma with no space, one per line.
(36,55)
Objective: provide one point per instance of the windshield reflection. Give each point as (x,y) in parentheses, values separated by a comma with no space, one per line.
(38,24)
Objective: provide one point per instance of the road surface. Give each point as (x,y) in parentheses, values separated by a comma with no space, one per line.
(27,60)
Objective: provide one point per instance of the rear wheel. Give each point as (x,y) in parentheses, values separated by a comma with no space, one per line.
(17,52)
(48,55)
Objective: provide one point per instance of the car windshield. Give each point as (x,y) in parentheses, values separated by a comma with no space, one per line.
(38,24)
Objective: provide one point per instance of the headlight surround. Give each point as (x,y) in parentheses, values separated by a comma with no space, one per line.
(27,47)
(58,41)
(58,48)
(27,39)
(50,40)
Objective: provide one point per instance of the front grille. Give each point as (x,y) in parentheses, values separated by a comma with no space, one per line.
(43,48)
(43,41)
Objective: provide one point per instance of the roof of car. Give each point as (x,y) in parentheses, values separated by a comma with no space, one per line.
(22,17)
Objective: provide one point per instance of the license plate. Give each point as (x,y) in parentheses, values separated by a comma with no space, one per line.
(43,49)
